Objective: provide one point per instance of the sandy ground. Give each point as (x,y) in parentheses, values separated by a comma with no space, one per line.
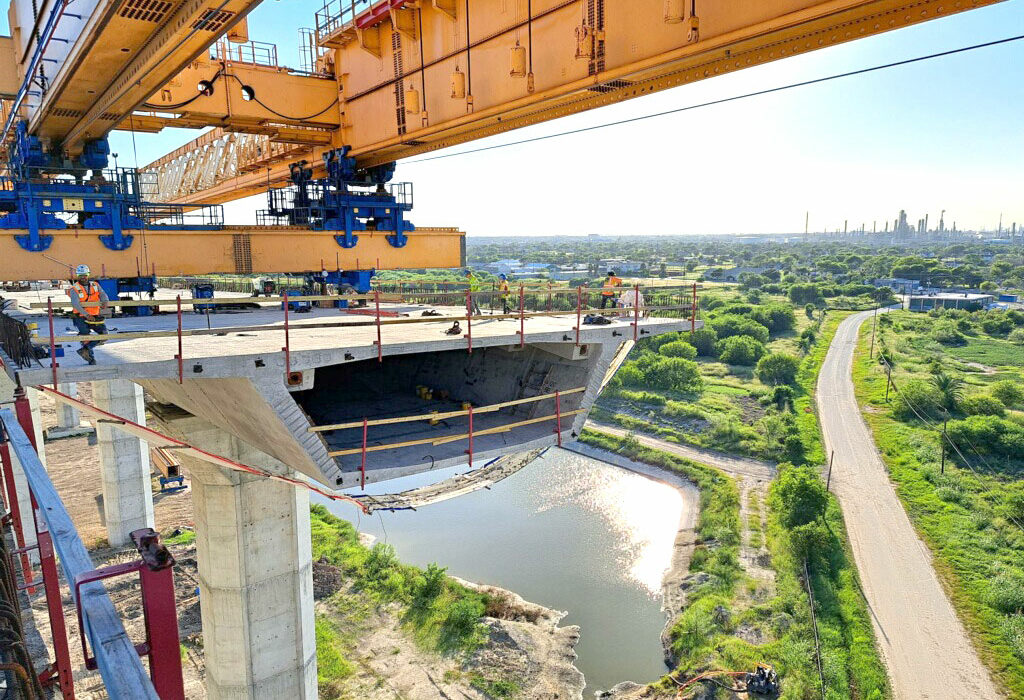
(916,627)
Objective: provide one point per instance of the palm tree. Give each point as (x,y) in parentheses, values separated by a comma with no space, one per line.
(951,388)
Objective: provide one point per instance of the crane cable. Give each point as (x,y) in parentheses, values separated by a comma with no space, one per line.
(734,98)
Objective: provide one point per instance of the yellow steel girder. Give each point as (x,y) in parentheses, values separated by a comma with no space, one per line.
(428,88)
(233,250)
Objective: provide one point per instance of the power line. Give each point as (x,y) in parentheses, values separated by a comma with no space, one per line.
(734,98)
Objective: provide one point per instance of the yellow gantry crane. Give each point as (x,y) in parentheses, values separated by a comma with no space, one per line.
(383,80)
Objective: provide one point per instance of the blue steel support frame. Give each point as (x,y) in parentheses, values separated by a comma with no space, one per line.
(118,661)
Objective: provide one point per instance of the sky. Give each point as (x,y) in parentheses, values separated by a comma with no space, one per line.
(942,134)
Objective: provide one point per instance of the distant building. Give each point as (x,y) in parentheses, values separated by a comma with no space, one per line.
(949,300)
(502,267)
(898,284)
(734,274)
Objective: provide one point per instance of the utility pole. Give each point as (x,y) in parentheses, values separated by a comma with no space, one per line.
(828,479)
(942,446)
(888,379)
(807,222)
(874,320)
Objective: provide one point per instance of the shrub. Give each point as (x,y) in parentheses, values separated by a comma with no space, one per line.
(1017,337)
(731,324)
(1009,392)
(982,405)
(947,334)
(660,372)
(920,396)
(800,496)
(806,294)
(740,350)
(796,451)
(706,342)
(678,348)
(777,368)
(988,435)
(950,388)
(810,541)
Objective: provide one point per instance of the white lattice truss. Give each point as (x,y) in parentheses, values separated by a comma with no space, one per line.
(214,158)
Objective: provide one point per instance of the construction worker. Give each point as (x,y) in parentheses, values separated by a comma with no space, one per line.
(506,293)
(608,291)
(88,302)
(474,288)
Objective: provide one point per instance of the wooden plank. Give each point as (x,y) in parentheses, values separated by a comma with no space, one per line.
(119,664)
(490,408)
(452,438)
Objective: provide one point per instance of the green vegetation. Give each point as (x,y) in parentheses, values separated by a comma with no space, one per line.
(970,515)
(181,537)
(440,614)
(732,621)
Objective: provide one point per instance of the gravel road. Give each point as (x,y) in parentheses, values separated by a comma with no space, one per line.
(926,648)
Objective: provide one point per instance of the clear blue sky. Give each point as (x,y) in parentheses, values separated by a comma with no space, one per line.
(944,134)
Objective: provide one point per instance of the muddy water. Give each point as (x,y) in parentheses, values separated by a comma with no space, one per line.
(567,532)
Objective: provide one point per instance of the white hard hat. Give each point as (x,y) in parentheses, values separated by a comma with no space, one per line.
(82,270)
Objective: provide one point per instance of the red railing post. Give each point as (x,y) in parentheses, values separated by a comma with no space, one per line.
(287,341)
(579,313)
(362,464)
(470,450)
(549,296)
(636,312)
(55,609)
(469,321)
(14,507)
(693,311)
(558,417)
(23,411)
(157,587)
(180,357)
(522,316)
(53,344)
(380,346)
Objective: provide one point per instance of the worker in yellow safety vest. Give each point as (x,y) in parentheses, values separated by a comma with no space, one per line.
(506,294)
(473,306)
(611,282)
(88,302)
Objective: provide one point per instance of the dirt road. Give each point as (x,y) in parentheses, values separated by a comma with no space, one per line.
(926,648)
(737,466)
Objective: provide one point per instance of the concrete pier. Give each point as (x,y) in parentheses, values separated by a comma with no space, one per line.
(124,462)
(255,572)
(69,419)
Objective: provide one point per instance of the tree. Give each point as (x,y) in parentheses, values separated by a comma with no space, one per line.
(733,324)
(777,368)
(806,294)
(917,397)
(706,342)
(740,350)
(950,388)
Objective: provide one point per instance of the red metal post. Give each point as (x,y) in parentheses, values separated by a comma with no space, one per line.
(162,632)
(53,345)
(362,464)
(579,313)
(693,311)
(23,410)
(469,321)
(636,312)
(180,357)
(380,346)
(522,316)
(15,510)
(470,450)
(287,341)
(55,608)
(558,417)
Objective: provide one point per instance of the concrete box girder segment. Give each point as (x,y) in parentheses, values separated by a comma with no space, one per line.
(235,381)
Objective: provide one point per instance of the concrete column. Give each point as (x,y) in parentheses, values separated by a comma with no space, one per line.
(255,575)
(124,462)
(69,420)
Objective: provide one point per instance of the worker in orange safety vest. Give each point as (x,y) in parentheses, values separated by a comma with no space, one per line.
(608,292)
(88,302)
